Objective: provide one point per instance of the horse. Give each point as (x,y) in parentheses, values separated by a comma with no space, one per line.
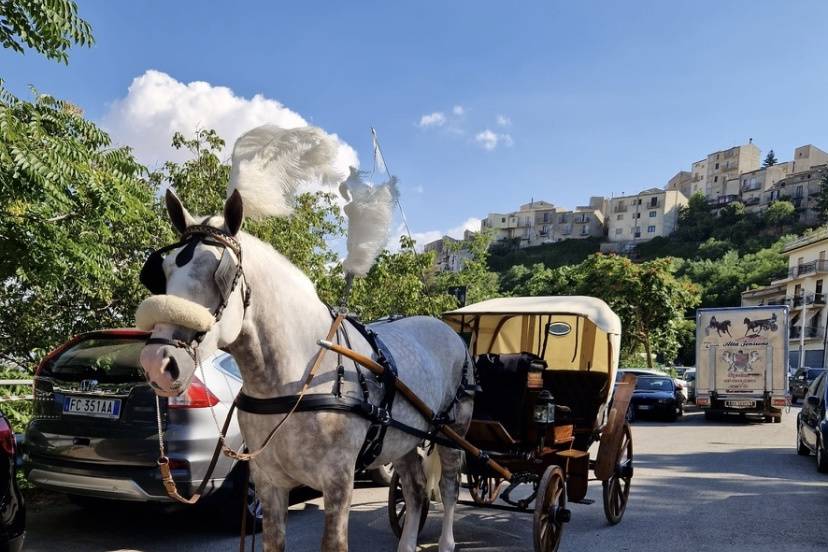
(720,327)
(270,319)
(759,326)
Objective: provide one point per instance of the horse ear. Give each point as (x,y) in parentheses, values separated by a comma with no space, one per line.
(233,212)
(179,216)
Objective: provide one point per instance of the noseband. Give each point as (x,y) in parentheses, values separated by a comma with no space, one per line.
(227,276)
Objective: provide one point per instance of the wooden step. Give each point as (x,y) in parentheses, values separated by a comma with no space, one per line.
(572,453)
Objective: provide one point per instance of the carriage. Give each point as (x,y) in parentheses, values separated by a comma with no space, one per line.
(547,368)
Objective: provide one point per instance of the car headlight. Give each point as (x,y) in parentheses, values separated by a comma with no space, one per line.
(663,401)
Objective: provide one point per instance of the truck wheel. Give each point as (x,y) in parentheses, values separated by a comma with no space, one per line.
(708,415)
(777,419)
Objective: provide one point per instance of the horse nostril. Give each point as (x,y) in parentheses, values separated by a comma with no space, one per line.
(172,368)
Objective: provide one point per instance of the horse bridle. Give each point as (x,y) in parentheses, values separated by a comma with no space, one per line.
(153,278)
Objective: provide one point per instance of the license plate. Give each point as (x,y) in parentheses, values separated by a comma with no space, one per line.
(740,404)
(93,407)
(645,407)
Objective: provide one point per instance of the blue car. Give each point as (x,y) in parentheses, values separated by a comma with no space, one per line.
(812,424)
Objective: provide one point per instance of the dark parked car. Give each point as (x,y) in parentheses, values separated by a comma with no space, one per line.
(811,423)
(656,396)
(801,381)
(12,510)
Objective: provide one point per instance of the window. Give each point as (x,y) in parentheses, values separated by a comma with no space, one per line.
(653,201)
(639,201)
(618,231)
(715,179)
(228,365)
(717,165)
(503,219)
(651,229)
(653,214)
(637,216)
(619,217)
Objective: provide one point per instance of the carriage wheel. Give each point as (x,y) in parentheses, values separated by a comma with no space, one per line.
(550,510)
(484,490)
(396,507)
(617,487)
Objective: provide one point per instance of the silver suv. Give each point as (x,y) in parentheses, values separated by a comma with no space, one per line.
(94,427)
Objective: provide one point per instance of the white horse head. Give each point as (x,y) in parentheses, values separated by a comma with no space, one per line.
(202,299)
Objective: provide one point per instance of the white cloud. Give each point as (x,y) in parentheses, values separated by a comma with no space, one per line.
(503,120)
(157,105)
(458,110)
(435,119)
(489,140)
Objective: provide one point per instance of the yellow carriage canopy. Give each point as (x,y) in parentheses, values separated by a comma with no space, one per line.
(569,332)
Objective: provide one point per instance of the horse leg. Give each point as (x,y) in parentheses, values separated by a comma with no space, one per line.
(275,506)
(337,495)
(413,482)
(450,461)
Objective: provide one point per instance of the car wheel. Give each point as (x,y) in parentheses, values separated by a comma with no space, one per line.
(821,458)
(381,476)
(801,449)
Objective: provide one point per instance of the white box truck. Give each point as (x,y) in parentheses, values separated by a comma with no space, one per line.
(742,360)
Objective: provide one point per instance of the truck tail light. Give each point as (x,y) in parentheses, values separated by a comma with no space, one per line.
(702,401)
(196,396)
(779,401)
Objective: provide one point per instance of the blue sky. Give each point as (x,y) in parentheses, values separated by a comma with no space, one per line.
(600,98)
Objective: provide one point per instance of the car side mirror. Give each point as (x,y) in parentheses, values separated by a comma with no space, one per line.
(800,378)
(812,401)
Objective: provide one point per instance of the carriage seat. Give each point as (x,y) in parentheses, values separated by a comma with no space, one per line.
(502,380)
(581,391)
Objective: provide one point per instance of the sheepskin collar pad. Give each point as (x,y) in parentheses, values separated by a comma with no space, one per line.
(171,309)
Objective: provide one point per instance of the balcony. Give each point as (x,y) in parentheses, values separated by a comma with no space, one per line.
(721,201)
(620,209)
(752,187)
(752,201)
(811,332)
(804,269)
(810,300)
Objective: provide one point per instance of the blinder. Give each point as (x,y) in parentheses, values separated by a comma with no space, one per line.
(226,275)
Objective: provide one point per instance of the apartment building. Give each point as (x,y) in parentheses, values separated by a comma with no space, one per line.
(754,185)
(450,255)
(541,222)
(683,182)
(642,217)
(803,289)
(726,165)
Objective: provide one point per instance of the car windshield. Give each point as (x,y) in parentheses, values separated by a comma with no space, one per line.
(111,360)
(690,376)
(654,384)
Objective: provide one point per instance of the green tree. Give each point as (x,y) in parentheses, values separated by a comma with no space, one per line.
(400,283)
(50,27)
(648,297)
(770,159)
(475,275)
(780,213)
(77,218)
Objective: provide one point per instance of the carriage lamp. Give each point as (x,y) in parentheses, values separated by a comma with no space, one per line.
(544,409)
(544,415)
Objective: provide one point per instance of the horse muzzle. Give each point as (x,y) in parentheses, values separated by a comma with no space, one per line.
(168,369)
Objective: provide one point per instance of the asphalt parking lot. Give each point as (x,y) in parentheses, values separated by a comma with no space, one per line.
(698,486)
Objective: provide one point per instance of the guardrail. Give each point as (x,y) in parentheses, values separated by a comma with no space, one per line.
(16,383)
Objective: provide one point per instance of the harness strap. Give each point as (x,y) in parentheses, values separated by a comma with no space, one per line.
(166,474)
(316,402)
(247,456)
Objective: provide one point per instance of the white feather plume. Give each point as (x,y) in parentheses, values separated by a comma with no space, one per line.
(369,220)
(269,163)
